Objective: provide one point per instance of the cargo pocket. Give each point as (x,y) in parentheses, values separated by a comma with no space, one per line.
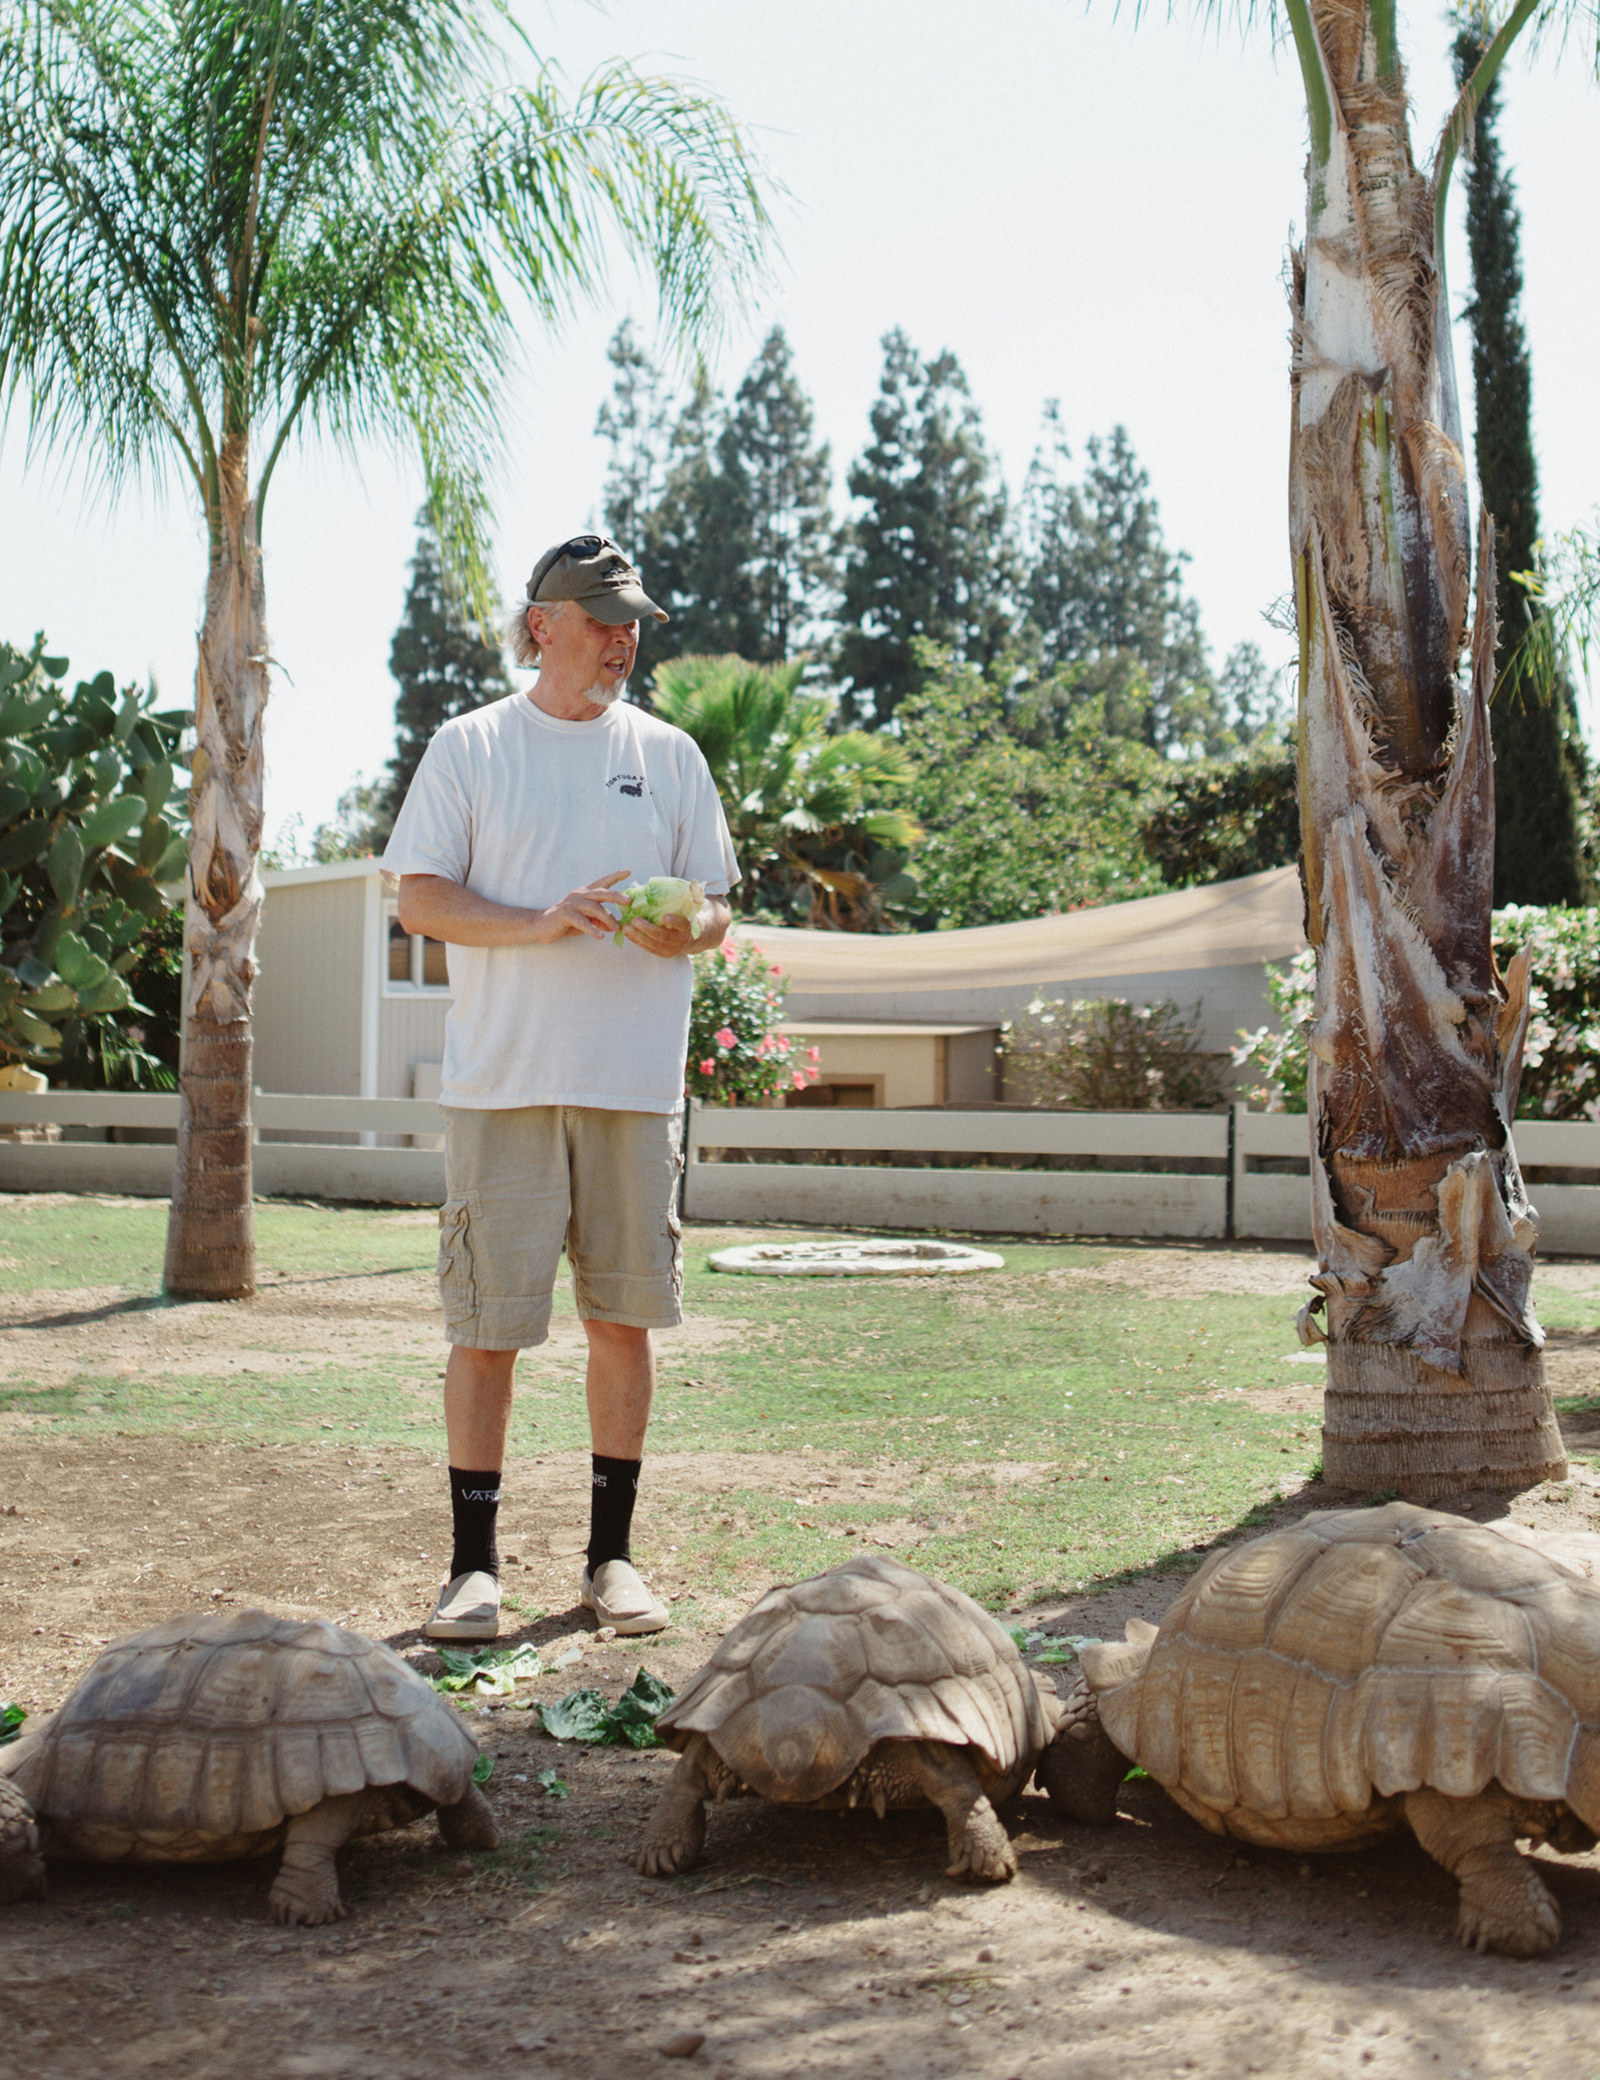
(458,1289)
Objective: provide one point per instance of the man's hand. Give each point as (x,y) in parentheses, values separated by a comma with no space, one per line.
(584,913)
(674,936)
(677,935)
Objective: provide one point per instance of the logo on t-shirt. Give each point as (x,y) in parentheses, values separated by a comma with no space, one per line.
(630,783)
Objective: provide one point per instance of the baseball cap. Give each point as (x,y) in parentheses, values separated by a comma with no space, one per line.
(592,570)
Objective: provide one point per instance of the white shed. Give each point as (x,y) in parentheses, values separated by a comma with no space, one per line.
(346,1002)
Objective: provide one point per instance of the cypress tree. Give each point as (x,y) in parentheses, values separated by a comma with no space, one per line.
(926,557)
(1539,763)
(634,419)
(444,667)
(1106,595)
(779,496)
(697,543)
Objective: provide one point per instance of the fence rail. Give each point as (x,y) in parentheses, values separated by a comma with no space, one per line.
(1243,1173)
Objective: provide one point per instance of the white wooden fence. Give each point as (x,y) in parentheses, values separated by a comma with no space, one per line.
(1244,1174)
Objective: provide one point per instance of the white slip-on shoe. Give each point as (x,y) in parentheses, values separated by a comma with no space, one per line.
(621,1598)
(468,1608)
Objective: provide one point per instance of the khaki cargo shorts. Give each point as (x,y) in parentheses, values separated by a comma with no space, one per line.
(520,1183)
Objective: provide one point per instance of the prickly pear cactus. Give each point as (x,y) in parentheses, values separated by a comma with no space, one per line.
(84,845)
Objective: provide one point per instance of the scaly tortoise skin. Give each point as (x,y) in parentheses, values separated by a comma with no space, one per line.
(215,1736)
(1360,1671)
(870,1684)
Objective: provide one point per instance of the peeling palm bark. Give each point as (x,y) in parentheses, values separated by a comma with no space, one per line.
(211,1231)
(1424,1234)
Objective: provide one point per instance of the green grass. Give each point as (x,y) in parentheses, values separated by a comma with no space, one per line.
(1132,1411)
(52,1243)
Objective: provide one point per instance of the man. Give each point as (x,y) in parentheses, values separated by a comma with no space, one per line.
(564,1053)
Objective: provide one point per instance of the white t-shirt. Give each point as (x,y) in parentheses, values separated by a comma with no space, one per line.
(523,808)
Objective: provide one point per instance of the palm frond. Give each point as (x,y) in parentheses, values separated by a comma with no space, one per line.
(229,219)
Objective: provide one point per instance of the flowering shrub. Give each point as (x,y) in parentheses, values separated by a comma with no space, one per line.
(1107,1055)
(1561,1063)
(1281,1055)
(736,1054)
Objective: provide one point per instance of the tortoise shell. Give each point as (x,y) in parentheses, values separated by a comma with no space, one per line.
(809,1681)
(213,1729)
(1358,1655)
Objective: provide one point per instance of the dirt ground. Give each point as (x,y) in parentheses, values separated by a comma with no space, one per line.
(828,1943)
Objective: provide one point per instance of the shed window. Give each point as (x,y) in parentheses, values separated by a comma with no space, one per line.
(415,963)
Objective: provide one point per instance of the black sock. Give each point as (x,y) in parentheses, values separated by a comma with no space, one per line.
(474,1505)
(616,1483)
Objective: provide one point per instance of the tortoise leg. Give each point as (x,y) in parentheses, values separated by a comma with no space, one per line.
(1082,1769)
(1505,1904)
(470,1822)
(677,1830)
(979,1845)
(306,1889)
(21,1864)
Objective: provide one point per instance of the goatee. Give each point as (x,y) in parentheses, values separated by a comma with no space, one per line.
(604,693)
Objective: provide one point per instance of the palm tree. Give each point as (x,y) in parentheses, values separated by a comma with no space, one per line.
(788,780)
(226,224)
(1423,1230)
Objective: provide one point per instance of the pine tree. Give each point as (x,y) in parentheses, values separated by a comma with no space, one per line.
(697,543)
(926,556)
(778,484)
(1539,764)
(1106,596)
(444,667)
(634,419)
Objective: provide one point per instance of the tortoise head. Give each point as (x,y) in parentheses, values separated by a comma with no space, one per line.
(21,1861)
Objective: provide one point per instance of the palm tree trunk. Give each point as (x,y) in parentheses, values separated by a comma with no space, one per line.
(1424,1234)
(211,1232)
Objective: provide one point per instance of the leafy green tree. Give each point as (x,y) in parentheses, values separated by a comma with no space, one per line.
(1015,823)
(813,811)
(1539,762)
(1106,595)
(239,223)
(1227,817)
(925,558)
(443,667)
(85,779)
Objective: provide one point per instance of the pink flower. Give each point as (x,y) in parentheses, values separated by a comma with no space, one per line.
(708,1067)
(726,951)
(813,1054)
(798,1079)
(725,1036)
(774,970)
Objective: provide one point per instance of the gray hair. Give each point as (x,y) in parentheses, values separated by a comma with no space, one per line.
(518,636)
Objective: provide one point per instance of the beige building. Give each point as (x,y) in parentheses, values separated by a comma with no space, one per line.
(347,1003)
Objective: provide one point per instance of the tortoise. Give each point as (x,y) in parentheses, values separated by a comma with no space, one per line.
(869,1684)
(1361,1671)
(221,1735)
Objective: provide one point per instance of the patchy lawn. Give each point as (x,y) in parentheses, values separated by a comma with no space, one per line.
(1062,1439)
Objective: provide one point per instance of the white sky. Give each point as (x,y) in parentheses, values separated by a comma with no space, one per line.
(1077,208)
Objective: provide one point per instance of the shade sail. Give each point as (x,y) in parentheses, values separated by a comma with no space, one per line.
(1162,945)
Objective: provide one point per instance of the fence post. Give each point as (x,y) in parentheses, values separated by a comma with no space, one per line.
(690,1145)
(1236,1163)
